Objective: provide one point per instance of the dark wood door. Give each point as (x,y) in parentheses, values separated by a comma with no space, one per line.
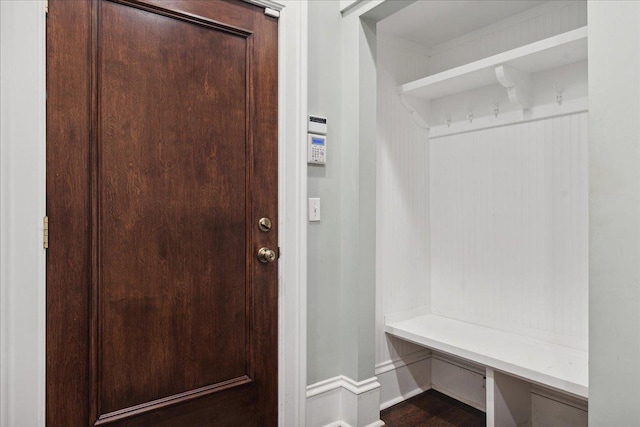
(161,159)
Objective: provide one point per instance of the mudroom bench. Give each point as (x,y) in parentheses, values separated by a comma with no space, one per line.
(512,362)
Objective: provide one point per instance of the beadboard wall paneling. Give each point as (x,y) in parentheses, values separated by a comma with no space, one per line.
(509,228)
(402,194)
(527,27)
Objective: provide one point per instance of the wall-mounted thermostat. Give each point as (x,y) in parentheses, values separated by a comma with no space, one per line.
(317,149)
(317,124)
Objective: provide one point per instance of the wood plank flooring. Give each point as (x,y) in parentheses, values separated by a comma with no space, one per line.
(433,409)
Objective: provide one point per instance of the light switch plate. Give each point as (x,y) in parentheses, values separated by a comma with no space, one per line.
(314,209)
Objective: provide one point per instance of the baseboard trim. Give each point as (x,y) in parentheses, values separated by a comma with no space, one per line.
(324,386)
(402,398)
(342,382)
(561,397)
(391,364)
(459,398)
(342,402)
(362,386)
(343,424)
(404,378)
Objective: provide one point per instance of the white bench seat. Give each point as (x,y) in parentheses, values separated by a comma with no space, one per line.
(539,362)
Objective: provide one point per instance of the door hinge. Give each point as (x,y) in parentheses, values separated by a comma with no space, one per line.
(45,233)
(279,252)
(271,12)
(46,7)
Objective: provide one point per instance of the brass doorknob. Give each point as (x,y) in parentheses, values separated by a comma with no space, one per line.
(266,255)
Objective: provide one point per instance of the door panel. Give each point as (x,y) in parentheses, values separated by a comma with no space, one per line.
(172,207)
(161,160)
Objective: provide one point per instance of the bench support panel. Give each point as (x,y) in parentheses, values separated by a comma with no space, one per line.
(508,400)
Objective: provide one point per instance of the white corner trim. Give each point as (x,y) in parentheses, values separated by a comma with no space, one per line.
(22,207)
(344,382)
(292,226)
(341,401)
(360,387)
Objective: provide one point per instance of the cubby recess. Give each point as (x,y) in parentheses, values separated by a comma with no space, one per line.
(482,205)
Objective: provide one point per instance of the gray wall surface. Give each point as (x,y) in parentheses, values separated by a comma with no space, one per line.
(341,247)
(324,299)
(614,209)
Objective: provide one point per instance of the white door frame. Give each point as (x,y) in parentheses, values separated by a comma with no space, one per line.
(22,207)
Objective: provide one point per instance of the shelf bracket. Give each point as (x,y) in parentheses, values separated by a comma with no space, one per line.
(517,83)
(419,110)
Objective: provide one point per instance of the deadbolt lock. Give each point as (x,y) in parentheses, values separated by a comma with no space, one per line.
(264,224)
(266,255)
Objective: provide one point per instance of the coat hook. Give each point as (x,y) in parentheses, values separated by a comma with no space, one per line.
(559,98)
(448,121)
(470,117)
(496,110)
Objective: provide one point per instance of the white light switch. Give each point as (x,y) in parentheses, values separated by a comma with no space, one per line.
(314,209)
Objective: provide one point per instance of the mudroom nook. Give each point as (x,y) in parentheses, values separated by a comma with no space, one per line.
(482,204)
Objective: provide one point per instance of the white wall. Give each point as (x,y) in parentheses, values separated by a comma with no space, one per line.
(535,24)
(509,228)
(402,194)
(614,224)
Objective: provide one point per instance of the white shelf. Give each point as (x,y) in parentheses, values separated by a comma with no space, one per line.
(544,363)
(545,54)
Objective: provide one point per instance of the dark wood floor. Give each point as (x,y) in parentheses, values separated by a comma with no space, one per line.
(431,409)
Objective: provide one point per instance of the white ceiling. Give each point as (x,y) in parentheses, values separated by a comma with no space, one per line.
(432,22)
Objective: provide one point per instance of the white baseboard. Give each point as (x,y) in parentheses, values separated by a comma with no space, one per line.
(344,424)
(404,378)
(401,379)
(342,402)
